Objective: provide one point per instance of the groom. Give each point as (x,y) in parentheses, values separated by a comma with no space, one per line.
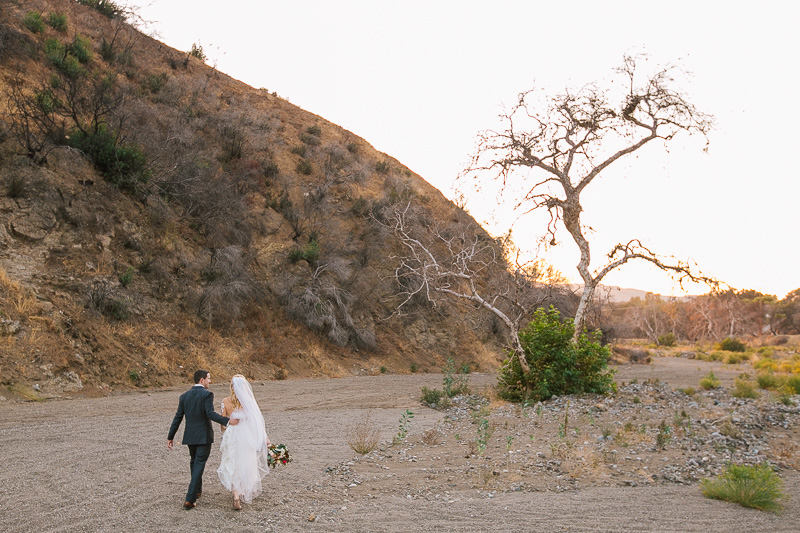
(197,405)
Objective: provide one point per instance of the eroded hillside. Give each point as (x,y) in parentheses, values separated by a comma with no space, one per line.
(158,216)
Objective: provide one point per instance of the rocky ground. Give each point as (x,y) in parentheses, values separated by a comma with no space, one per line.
(628,462)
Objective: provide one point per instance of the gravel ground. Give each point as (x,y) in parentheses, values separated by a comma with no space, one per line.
(102,464)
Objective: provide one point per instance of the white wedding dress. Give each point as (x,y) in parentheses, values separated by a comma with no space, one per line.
(245,454)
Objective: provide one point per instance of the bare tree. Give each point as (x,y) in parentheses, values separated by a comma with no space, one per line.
(566,146)
(461,262)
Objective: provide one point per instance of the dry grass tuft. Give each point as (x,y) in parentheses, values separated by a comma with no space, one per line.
(363,436)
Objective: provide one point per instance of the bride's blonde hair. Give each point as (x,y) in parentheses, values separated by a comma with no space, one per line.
(234,399)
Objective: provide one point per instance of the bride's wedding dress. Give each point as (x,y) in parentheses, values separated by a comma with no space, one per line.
(244,450)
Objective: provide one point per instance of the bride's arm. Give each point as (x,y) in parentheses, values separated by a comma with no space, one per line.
(225,411)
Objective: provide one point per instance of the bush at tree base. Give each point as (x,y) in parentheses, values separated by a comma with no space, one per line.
(558,365)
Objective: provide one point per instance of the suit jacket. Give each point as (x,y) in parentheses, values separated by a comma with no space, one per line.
(197,405)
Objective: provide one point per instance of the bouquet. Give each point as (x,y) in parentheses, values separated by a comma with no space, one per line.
(278,454)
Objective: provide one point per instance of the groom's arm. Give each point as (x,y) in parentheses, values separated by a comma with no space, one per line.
(208,404)
(176,422)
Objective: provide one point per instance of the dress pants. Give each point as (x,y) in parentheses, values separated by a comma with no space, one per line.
(199,455)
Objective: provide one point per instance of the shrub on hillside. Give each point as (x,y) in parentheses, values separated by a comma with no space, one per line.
(57,21)
(108,8)
(33,21)
(557,364)
(729,344)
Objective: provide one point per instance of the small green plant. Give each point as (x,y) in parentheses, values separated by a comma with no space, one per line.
(300,150)
(664,435)
(413,368)
(33,21)
(155,82)
(126,277)
(562,428)
(485,431)
(133,375)
(309,253)
(509,442)
(108,8)
(755,486)
(304,167)
(382,167)
(405,420)
(793,383)
(81,48)
(666,340)
(314,130)
(688,391)
(744,389)
(709,382)
(197,52)
(729,344)
(454,384)
(57,21)
(431,397)
(383,370)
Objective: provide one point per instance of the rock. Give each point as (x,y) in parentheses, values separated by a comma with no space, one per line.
(33,225)
(312,517)
(9,327)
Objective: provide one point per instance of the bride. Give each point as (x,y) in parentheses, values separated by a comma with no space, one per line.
(245,446)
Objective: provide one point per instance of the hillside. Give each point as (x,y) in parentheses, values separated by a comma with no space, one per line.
(157,216)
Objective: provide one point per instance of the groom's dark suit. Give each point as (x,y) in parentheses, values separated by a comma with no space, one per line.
(197,405)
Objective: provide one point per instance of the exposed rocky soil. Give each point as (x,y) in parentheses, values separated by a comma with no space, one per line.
(629,462)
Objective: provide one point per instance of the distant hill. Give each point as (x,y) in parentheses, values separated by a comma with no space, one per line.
(621,294)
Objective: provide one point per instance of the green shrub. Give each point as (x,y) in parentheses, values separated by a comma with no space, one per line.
(454,383)
(744,389)
(666,340)
(126,277)
(107,51)
(769,381)
(734,358)
(754,486)
(310,253)
(33,21)
(81,48)
(197,52)
(382,167)
(300,150)
(271,170)
(793,383)
(310,140)
(431,397)
(314,130)
(60,57)
(709,382)
(304,167)
(57,21)
(557,364)
(729,344)
(155,82)
(123,165)
(107,8)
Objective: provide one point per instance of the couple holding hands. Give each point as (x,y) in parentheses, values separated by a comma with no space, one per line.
(245,447)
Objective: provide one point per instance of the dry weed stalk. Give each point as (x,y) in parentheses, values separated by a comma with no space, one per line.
(432,436)
(363,436)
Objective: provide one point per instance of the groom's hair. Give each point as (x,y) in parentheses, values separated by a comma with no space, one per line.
(200,374)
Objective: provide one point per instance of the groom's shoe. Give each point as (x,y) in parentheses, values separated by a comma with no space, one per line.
(189,505)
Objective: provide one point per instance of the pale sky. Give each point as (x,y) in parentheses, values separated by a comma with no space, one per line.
(419,79)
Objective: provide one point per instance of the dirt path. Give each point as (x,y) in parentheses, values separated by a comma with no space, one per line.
(102,465)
